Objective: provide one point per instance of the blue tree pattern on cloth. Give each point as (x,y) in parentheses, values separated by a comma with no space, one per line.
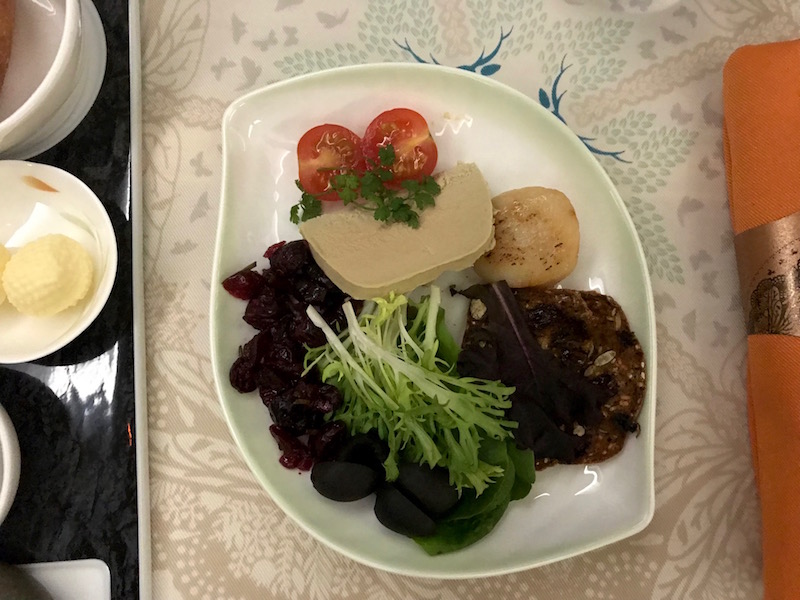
(550,101)
(483,62)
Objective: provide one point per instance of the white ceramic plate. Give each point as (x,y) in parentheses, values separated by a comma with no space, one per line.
(27,338)
(516,143)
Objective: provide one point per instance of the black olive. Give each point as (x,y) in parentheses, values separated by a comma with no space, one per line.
(429,488)
(398,513)
(365,449)
(343,481)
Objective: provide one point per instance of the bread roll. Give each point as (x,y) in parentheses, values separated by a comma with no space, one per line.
(6,34)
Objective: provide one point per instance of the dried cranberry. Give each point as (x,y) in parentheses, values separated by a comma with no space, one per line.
(305,410)
(310,291)
(305,332)
(334,316)
(302,408)
(284,357)
(263,311)
(255,350)
(317,275)
(277,282)
(294,454)
(267,395)
(243,375)
(245,284)
(321,398)
(293,413)
(295,306)
(305,419)
(270,384)
(325,398)
(273,248)
(303,389)
(279,331)
(289,259)
(300,459)
(325,442)
(280,409)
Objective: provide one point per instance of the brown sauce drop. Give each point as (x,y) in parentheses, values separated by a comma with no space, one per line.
(38,184)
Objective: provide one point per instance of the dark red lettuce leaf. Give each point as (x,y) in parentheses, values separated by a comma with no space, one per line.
(549,398)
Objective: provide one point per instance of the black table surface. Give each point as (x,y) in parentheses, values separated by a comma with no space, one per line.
(74,410)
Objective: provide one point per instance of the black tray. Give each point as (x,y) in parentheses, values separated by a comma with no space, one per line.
(75,410)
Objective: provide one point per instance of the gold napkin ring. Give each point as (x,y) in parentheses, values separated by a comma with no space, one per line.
(769,275)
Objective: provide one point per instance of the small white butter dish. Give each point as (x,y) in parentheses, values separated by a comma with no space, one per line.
(40,200)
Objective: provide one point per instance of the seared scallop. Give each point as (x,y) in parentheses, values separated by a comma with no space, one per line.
(536,238)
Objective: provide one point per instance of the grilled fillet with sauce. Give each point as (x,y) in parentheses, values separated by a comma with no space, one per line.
(591,374)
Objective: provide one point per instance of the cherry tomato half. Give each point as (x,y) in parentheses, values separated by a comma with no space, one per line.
(408,133)
(325,151)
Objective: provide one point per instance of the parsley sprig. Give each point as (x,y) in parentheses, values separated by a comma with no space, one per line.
(369,192)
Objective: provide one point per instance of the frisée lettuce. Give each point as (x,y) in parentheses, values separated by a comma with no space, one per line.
(388,367)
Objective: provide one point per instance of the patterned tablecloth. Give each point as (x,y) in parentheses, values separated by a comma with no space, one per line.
(639,80)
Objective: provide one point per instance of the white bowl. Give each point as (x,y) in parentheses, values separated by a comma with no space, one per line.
(9,463)
(74,210)
(54,74)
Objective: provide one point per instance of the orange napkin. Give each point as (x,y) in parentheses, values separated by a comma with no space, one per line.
(761,95)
